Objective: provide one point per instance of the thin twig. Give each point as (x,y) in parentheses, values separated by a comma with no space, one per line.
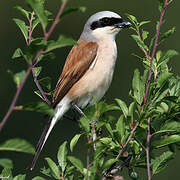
(148,149)
(148,161)
(93,132)
(88,157)
(40,88)
(105,174)
(13,103)
(154,51)
(121,166)
(57,19)
(127,142)
(44,97)
(143,50)
(46,37)
(30,28)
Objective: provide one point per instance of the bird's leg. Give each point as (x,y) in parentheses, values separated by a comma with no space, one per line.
(93,132)
(92,124)
(78,109)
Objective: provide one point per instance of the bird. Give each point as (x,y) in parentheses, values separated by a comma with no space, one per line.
(88,69)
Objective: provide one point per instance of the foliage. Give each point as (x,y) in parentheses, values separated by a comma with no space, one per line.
(17,145)
(130,141)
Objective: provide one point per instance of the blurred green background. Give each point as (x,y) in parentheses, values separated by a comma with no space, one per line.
(29,125)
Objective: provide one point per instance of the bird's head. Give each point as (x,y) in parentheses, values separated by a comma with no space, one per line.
(104,24)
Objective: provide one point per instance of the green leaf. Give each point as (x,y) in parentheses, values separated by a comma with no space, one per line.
(133,175)
(46,172)
(54,168)
(47,56)
(38,93)
(6,163)
(167,56)
(131,110)
(77,163)
(167,34)
(132,18)
(37,71)
(158,55)
(120,126)
(109,162)
(143,22)
(23,11)
(169,140)
(138,87)
(108,127)
(145,34)
(103,107)
(74,141)
(36,45)
(105,140)
(35,23)
(17,53)
(48,13)
(135,55)
(62,156)
(6,174)
(163,78)
(20,177)
(62,41)
(139,42)
(164,107)
(19,77)
(71,10)
(19,145)
(38,178)
(152,42)
(38,7)
(39,106)
(85,124)
(160,162)
(24,29)
(45,83)
(171,125)
(123,107)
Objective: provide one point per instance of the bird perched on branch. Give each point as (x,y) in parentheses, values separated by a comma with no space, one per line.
(88,69)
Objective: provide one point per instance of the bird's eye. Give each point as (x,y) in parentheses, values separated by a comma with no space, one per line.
(106,21)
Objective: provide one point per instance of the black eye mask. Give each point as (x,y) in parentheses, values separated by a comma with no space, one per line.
(106,21)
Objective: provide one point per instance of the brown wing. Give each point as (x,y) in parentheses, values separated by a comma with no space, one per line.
(77,63)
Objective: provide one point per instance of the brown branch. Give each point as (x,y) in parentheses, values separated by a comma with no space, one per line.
(148,161)
(44,97)
(46,37)
(108,171)
(57,19)
(154,50)
(93,132)
(142,49)
(30,28)
(13,103)
(121,166)
(34,62)
(148,149)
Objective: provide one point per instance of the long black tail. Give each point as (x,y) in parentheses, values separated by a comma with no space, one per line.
(40,144)
(63,107)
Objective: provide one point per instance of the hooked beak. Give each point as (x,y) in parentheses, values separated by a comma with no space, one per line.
(124,24)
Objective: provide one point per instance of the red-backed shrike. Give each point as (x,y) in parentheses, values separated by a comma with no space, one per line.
(88,70)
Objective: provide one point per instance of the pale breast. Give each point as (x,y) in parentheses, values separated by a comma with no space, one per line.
(97,79)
